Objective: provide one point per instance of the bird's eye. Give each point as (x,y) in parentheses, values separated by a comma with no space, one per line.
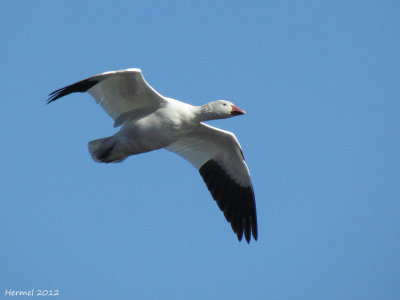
(224,104)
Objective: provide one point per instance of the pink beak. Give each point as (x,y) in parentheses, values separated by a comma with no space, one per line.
(237,111)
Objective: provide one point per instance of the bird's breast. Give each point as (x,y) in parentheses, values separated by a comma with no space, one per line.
(159,129)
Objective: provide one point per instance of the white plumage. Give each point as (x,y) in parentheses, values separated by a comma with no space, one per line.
(150,121)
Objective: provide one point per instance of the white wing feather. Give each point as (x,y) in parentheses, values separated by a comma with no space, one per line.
(125,91)
(208,142)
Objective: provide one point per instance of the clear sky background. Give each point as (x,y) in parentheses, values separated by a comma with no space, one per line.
(320,81)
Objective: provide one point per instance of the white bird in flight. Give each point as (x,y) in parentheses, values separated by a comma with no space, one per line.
(150,121)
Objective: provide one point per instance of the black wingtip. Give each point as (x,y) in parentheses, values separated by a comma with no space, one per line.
(53,96)
(236,202)
(78,87)
(254,225)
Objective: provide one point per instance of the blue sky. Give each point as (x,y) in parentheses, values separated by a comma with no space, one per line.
(320,81)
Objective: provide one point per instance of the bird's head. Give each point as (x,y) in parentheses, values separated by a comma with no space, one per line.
(222,109)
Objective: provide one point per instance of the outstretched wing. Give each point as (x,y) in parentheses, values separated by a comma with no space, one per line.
(123,94)
(218,157)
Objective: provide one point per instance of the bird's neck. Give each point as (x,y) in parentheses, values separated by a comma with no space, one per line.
(204,113)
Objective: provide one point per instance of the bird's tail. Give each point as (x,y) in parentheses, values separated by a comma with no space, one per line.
(106,150)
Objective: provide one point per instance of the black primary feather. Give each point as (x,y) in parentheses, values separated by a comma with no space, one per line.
(237,202)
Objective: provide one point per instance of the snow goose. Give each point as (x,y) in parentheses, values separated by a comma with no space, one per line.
(150,121)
